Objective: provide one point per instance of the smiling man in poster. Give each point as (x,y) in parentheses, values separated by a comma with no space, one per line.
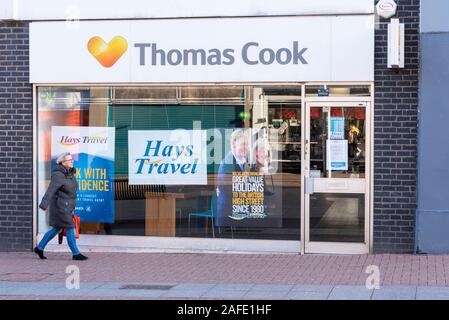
(234,163)
(245,189)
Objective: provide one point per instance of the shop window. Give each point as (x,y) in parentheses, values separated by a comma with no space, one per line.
(268,185)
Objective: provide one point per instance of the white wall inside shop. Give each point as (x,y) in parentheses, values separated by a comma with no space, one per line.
(33,10)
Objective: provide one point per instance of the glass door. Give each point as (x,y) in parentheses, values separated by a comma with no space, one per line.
(276,116)
(336,181)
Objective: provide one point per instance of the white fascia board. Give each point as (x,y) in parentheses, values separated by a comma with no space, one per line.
(32,10)
(7,10)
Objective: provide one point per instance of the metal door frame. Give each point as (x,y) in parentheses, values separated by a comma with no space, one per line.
(308,246)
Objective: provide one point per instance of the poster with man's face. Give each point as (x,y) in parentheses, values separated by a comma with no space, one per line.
(246,193)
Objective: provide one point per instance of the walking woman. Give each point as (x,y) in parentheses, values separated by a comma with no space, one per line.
(61,197)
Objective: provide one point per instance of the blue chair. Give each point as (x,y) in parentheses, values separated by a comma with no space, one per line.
(207,214)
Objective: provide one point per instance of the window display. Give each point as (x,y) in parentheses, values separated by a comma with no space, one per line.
(250,147)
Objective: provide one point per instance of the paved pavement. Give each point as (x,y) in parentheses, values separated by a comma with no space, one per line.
(225,276)
(233,291)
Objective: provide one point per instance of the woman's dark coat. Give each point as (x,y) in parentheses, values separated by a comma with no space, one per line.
(61,197)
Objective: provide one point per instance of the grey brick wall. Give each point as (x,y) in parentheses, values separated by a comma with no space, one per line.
(16,138)
(395,137)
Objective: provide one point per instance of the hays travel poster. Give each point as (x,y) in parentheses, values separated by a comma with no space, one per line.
(93,153)
(167,157)
(246,193)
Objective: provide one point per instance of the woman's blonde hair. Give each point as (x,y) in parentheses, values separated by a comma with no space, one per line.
(264,143)
(61,157)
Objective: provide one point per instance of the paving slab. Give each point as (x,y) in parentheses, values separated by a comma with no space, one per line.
(70,293)
(432,293)
(224,294)
(350,293)
(10,291)
(106,293)
(144,293)
(273,295)
(12,284)
(272,287)
(184,293)
(233,287)
(194,286)
(111,286)
(49,292)
(118,285)
(189,290)
(311,288)
(307,295)
(395,293)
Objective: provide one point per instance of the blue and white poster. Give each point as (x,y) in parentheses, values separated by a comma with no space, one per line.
(337,128)
(337,156)
(167,157)
(92,149)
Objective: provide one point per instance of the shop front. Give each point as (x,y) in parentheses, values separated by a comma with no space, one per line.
(249,134)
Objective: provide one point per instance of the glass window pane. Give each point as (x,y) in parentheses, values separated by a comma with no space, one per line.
(337,217)
(270,115)
(337,142)
(318,137)
(353,134)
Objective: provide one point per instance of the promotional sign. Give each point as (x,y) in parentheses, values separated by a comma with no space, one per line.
(246,193)
(319,48)
(248,197)
(337,158)
(167,157)
(337,128)
(92,149)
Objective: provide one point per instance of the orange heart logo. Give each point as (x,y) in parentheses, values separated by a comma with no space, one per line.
(107,53)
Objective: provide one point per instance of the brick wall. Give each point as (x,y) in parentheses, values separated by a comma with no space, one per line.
(395,137)
(16,116)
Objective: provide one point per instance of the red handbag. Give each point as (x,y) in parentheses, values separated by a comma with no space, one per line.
(77,221)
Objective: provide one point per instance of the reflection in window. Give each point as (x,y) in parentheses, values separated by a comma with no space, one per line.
(268,180)
(347,126)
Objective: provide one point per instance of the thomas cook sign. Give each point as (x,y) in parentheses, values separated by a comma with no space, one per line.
(251,54)
(324,48)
